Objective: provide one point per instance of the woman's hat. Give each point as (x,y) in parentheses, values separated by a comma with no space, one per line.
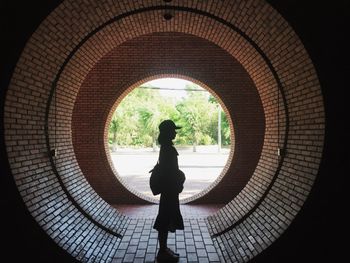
(168,125)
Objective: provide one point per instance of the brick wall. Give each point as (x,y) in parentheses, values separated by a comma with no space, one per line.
(55,65)
(180,55)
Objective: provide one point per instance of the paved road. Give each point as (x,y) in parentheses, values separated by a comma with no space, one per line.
(201,168)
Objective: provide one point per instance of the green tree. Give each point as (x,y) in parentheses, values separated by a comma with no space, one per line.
(196,113)
(225,126)
(113,130)
(136,120)
(152,111)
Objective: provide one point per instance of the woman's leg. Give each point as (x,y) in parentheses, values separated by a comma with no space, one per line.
(164,253)
(163,238)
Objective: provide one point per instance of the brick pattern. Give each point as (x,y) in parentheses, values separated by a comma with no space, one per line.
(59,36)
(149,211)
(143,56)
(140,242)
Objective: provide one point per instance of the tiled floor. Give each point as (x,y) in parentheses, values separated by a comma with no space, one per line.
(150,211)
(140,243)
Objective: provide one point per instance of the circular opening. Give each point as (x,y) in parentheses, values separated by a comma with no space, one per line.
(204,143)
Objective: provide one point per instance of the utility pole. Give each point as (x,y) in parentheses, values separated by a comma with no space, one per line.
(219,128)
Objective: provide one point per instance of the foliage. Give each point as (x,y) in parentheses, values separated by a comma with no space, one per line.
(136,120)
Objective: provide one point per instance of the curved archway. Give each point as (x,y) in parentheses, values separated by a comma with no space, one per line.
(278,60)
(144,64)
(202,191)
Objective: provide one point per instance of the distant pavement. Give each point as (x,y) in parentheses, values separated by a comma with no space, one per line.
(201,167)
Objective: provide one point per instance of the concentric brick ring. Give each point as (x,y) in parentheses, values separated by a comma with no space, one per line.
(140,58)
(59,56)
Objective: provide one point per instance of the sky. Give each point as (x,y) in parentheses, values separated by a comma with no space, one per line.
(175,87)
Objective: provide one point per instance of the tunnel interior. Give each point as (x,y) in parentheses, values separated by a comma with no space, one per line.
(134,64)
(75,66)
(211,160)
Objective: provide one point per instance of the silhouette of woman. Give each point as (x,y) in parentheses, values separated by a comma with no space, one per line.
(169,217)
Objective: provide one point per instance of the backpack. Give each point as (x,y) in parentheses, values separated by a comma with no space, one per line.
(154,180)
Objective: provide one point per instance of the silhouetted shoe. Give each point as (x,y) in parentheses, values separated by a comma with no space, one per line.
(173,253)
(166,256)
